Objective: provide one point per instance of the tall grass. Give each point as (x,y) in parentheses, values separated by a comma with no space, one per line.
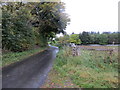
(12,57)
(92,69)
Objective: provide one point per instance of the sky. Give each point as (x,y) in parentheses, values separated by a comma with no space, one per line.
(92,15)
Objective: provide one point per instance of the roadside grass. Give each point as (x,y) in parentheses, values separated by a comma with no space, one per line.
(92,69)
(56,80)
(12,57)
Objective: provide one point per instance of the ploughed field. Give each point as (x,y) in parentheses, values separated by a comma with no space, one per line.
(115,48)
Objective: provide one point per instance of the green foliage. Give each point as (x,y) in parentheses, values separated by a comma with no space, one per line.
(19,30)
(74,38)
(103,39)
(50,19)
(17,35)
(85,37)
(12,57)
(114,37)
(66,39)
(63,39)
(97,38)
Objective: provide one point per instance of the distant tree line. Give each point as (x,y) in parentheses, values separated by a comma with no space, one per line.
(25,25)
(86,38)
(97,38)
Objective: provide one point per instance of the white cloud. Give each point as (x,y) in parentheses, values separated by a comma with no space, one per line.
(92,15)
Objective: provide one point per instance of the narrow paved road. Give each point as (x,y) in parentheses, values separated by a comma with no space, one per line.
(31,72)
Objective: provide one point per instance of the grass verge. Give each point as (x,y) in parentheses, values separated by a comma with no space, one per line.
(92,69)
(56,80)
(12,57)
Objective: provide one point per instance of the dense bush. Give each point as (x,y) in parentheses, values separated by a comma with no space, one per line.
(17,35)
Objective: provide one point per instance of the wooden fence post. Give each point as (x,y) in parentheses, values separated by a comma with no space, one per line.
(75,51)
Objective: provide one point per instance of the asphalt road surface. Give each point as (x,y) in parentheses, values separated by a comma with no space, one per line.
(31,72)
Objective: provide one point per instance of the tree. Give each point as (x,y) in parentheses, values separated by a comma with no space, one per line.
(50,19)
(84,37)
(114,37)
(103,39)
(63,40)
(17,34)
(74,38)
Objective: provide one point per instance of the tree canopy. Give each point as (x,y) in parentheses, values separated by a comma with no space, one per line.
(27,24)
(97,38)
